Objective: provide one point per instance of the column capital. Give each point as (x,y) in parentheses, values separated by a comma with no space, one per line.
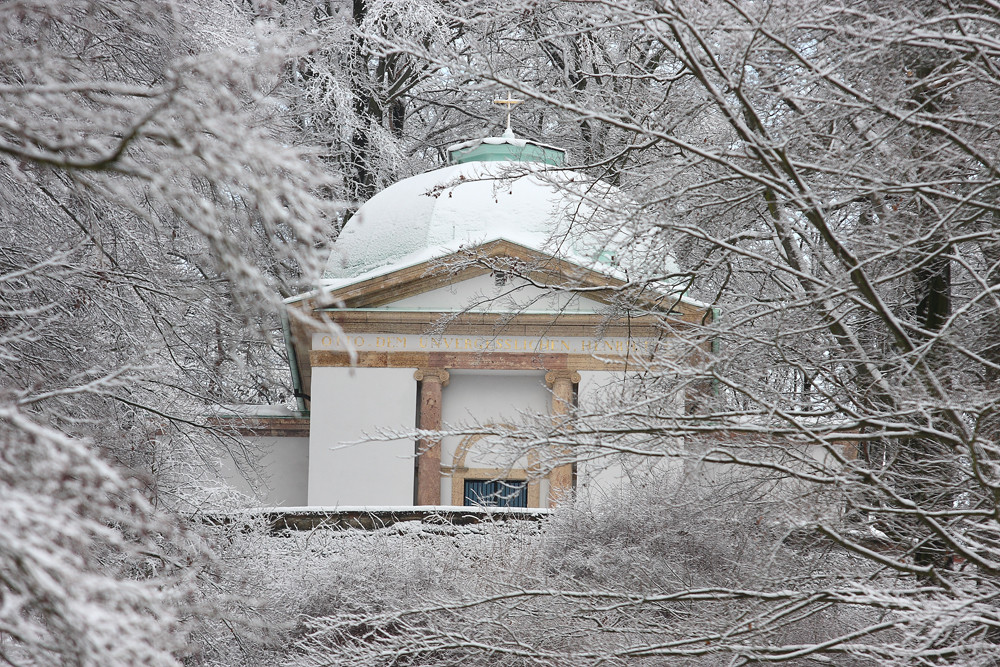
(432,375)
(565,375)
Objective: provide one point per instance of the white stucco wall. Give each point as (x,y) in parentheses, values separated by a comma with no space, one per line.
(478,397)
(353,404)
(284,468)
(481,294)
(606,476)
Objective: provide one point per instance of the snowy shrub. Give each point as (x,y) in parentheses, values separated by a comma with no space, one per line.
(666,573)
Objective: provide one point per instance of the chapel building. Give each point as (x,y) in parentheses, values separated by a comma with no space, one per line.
(457,305)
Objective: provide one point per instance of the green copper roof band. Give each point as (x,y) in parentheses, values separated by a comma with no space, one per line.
(508,153)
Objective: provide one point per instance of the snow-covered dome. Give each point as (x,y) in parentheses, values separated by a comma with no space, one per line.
(433,214)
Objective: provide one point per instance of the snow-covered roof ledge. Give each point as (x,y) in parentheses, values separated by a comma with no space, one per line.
(443,518)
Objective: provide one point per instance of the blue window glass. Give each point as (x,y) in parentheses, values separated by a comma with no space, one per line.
(496,493)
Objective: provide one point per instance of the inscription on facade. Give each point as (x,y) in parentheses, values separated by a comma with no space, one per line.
(485,344)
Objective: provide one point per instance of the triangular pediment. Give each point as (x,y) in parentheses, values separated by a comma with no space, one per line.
(540,278)
(487,293)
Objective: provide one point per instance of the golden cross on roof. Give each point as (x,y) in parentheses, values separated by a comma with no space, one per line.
(510,102)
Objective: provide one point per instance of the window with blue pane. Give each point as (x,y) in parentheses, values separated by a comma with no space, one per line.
(496,493)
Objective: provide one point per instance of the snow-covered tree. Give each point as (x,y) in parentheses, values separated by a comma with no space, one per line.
(153,210)
(89,574)
(824,174)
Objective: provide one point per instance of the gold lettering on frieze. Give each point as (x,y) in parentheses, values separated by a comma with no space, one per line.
(485,344)
(390,342)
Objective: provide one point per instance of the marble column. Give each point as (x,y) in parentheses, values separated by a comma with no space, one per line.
(561,383)
(432,381)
